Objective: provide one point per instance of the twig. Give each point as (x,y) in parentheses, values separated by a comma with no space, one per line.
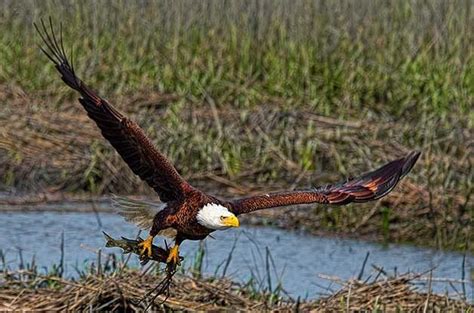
(425,309)
(361,273)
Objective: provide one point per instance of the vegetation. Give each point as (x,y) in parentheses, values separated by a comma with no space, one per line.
(111,284)
(252,96)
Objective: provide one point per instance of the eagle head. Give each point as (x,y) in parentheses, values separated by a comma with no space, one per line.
(216,216)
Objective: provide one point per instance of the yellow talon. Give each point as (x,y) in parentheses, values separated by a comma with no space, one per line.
(173,257)
(145,246)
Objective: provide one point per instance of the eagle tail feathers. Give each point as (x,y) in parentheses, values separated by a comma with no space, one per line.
(138,212)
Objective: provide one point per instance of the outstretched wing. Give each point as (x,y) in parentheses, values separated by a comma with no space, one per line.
(370,186)
(126,136)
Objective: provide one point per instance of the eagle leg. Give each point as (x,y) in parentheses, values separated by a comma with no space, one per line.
(146,245)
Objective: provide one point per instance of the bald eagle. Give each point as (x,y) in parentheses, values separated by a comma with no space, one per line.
(186,212)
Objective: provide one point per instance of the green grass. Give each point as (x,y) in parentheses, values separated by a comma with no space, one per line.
(255,95)
(335,59)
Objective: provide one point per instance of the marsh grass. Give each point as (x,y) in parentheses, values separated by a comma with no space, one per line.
(111,284)
(334,58)
(111,281)
(255,96)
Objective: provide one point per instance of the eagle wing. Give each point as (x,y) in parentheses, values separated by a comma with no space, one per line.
(370,186)
(135,148)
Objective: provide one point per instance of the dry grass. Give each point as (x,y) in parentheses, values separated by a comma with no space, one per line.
(112,285)
(123,290)
(393,294)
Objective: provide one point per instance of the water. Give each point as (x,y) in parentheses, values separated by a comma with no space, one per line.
(298,259)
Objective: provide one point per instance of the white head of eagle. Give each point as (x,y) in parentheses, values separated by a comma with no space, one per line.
(216,216)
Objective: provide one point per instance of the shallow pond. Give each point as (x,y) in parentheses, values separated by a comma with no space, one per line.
(297,260)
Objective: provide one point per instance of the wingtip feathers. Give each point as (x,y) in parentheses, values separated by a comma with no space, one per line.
(410,161)
(387,179)
(373,185)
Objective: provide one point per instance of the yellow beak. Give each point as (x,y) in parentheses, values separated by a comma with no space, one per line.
(231,221)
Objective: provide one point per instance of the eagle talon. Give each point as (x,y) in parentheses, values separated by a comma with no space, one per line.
(145,247)
(173,257)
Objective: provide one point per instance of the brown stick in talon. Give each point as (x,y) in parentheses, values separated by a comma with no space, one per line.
(158,254)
